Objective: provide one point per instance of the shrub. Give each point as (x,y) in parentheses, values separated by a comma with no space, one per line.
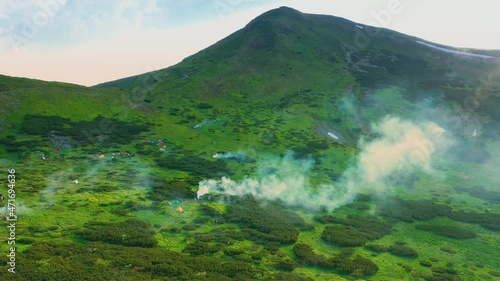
(425,263)
(403,251)
(448,231)
(132,232)
(448,250)
(409,210)
(198,248)
(286,265)
(306,256)
(203,105)
(494,273)
(78,262)
(271,223)
(195,165)
(358,266)
(343,236)
(170,189)
(371,227)
(376,248)
(43,125)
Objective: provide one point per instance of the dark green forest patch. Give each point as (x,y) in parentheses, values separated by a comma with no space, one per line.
(403,251)
(74,262)
(195,165)
(481,193)
(266,223)
(170,189)
(369,226)
(449,231)
(409,210)
(357,266)
(132,232)
(345,236)
(104,131)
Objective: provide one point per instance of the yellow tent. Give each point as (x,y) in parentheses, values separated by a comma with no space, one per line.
(179,210)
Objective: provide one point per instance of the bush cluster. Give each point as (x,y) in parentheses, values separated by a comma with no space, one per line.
(132,232)
(369,227)
(162,189)
(376,248)
(265,223)
(402,251)
(78,262)
(449,231)
(195,165)
(345,236)
(357,266)
(105,131)
(409,210)
(487,220)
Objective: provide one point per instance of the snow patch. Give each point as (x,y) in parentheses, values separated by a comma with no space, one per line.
(333,135)
(454,51)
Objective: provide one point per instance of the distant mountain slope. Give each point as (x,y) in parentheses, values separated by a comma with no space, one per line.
(286,60)
(22,97)
(283,82)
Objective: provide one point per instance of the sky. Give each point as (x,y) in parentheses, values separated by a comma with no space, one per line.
(88,42)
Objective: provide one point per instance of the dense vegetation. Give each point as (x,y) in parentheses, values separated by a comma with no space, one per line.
(409,210)
(136,218)
(195,165)
(270,223)
(448,231)
(370,227)
(132,232)
(357,266)
(99,131)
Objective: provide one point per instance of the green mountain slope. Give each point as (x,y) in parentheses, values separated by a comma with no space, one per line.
(315,145)
(285,58)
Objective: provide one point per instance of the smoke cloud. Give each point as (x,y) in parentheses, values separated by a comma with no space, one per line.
(400,145)
(237,156)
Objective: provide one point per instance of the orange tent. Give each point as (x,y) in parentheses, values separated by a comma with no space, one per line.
(179,210)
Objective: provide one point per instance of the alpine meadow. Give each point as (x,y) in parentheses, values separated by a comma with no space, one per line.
(301,147)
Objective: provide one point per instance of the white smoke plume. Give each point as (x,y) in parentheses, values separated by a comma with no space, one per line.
(237,156)
(401,146)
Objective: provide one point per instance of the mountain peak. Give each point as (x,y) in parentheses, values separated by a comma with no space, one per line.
(277,13)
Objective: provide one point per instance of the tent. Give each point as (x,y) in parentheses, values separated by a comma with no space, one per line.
(179,210)
(76,182)
(177,202)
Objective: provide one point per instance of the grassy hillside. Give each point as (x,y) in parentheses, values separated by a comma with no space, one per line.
(286,123)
